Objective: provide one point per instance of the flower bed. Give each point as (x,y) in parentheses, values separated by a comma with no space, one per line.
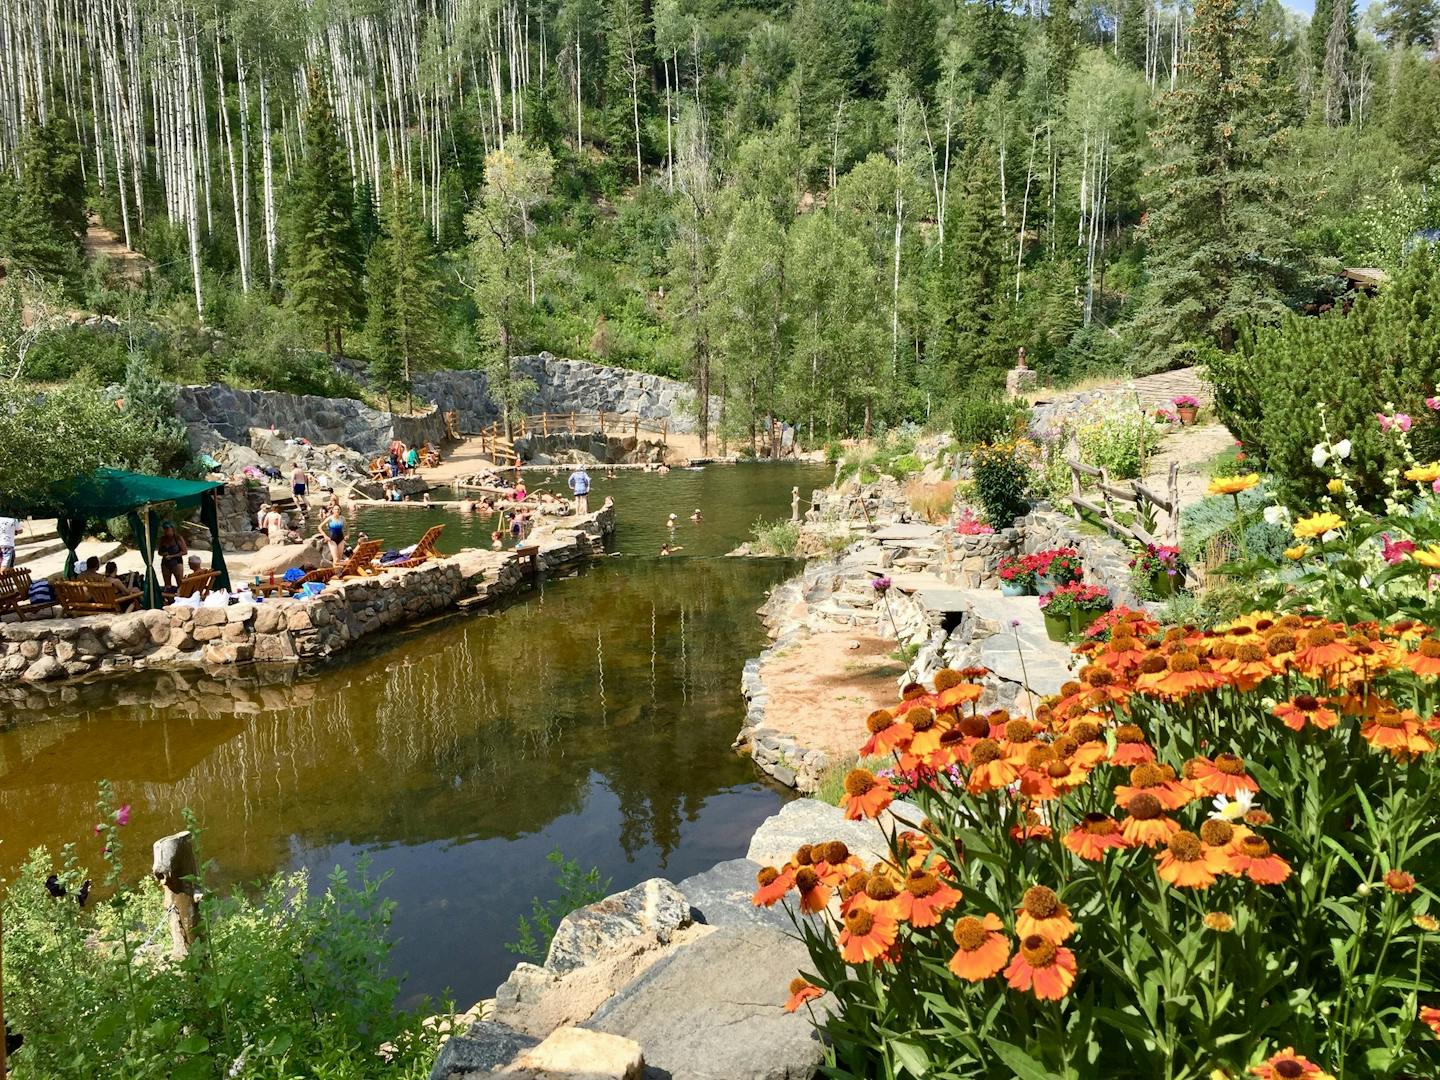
(1211,854)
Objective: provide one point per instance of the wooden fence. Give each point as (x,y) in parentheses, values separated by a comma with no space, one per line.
(1137,495)
(493,439)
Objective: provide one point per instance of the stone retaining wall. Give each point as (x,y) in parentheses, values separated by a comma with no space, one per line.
(282,629)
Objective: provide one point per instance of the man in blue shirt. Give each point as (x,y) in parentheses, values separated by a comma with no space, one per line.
(580,485)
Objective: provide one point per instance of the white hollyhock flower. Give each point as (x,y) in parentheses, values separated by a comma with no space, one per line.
(1277,515)
(1341,449)
(1320,455)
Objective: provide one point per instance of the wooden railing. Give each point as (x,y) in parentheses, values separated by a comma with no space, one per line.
(1137,495)
(574,422)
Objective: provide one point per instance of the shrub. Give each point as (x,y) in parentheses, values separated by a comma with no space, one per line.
(1310,380)
(903,466)
(1120,442)
(285,982)
(780,538)
(1001,478)
(986,418)
(577,888)
(1259,896)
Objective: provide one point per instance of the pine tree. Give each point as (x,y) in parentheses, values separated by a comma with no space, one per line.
(1217,228)
(1411,22)
(826,69)
(1061,41)
(995,43)
(324,259)
(404,319)
(1134,31)
(969,332)
(44,215)
(909,46)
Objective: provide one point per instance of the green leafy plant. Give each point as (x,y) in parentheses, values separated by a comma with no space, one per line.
(576,887)
(779,538)
(1119,441)
(986,418)
(1001,479)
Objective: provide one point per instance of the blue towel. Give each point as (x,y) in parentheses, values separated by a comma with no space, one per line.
(294,575)
(41,593)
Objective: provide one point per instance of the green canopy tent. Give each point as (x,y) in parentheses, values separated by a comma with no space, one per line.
(112,493)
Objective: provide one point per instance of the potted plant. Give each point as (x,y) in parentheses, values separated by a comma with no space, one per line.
(1057,606)
(1187,406)
(1017,575)
(1087,603)
(1158,572)
(1057,566)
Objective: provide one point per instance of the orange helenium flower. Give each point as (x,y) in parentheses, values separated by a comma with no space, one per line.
(865,794)
(1130,746)
(801,992)
(924,897)
(1223,776)
(1425,660)
(1152,779)
(772,886)
(814,894)
(1288,1065)
(1146,822)
(1431,1019)
(1041,912)
(1095,835)
(989,769)
(1045,969)
(1251,856)
(866,935)
(1185,862)
(1397,730)
(981,949)
(1306,709)
(1398,881)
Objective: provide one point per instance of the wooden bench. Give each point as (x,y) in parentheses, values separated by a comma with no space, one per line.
(93,597)
(15,595)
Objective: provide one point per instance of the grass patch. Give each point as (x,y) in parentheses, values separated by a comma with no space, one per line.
(832,781)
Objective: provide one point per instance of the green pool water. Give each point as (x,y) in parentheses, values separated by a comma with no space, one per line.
(594,713)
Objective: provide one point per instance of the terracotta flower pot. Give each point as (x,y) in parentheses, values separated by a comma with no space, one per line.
(1187,414)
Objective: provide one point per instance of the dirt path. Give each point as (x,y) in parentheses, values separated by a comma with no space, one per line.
(131,265)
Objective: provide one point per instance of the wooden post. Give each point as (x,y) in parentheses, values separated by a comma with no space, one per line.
(545,423)
(1105,493)
(665,433)
(572,421)
(1172,492)
(175,868)
(637,427)
(602,421)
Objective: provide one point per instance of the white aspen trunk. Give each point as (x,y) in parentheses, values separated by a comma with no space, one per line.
(192,210)
(230,161)
(267,165)
(669,134)
(579,109)
(243,238)
(1024,213)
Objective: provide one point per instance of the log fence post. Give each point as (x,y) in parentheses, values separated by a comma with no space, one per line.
(175,868)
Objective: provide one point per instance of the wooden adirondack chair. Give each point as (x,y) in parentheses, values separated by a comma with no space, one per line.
(361,560)
(15,595)
(93,597)
(424,550)
(321,574)
(196,583)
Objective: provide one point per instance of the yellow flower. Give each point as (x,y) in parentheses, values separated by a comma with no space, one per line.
(1424,474)
(1233,485)
(1427,923)
(1428,556)
(1317,525)
(1298,552)
(1220,922)
(1336,486)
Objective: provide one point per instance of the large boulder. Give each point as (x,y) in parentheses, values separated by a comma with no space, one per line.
(277,558)
(806,821)
(721,897)
(712,1010)
(483,1050)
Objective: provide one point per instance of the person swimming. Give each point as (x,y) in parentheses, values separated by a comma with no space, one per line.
(697,517)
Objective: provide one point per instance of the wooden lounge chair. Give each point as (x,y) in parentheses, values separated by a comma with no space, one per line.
(15,595)
(196,583)
(361,560)
(321,574)
(424,550)
(93,597)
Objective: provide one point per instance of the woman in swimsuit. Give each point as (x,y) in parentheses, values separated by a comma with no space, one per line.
(332,531)
(172,549)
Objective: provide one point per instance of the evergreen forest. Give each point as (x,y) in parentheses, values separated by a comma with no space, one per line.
(842,213)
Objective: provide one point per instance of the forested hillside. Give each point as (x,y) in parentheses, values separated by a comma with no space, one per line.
(841,212)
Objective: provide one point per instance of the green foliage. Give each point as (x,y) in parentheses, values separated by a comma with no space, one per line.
(1213,517)
(284,982)
(1314,380)
(42,217)
(1119,442)
(576,887)
(77,352)
(986,418)
(780,538)
(1001,478)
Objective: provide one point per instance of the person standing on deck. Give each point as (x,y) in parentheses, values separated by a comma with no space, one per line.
(580,485)
(8,528)
(299,484)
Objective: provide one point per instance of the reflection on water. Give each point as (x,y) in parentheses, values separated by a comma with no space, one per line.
(595,714)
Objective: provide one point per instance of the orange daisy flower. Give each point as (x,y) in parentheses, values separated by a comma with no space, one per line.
(1321,649)
(981,949)
(1224,776)
(1306,709)
(1398,881)
(924,897)
(866,935)
(881,893)
(1045,969)
(814,894)
(1250,666)
(1398,731)
(1153,779)
(885,734)
(989,769)
(1146,823)
(1425,660)
(1288,1065)
(866,795)
(1185,863)
(1089,743)
(1130,746)
(1251,856)
(1184,674)
(1095,835)
(1041,912)
(959,694)
(772,886)
(1431,1019)
(802,991)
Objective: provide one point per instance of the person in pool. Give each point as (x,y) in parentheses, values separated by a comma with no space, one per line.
(696,517)
(173,549)
(332,531)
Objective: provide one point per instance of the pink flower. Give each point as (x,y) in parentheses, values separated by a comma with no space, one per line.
(1399,420)
(122,816)
(1433,404)
(99,828)
(1394,551)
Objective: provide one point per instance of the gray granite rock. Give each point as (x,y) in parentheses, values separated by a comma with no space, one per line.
(652,908)
(721,896)
(711,1010)
(806,821)
(483,1050)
